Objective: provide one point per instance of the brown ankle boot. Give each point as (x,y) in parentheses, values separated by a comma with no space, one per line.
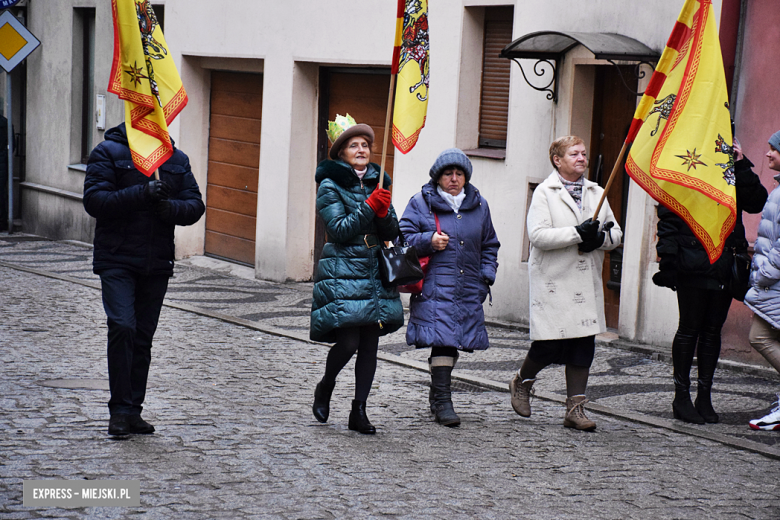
(521,391)
(575,414)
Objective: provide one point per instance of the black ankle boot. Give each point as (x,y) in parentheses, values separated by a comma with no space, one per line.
(321,406)
(683,348)
(441,378)
(703,405)
(683,409)
(358,421)
(707,359)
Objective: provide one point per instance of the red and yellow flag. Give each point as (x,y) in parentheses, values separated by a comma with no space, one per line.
(410,63)
(145,76)
(682,152)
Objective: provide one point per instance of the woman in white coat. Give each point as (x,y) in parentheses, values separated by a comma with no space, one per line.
(566,294)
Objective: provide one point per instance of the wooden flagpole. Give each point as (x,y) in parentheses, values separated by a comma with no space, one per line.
(397,42)
(615,168)
(388,118)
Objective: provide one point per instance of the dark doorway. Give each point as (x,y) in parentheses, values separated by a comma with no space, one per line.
(614,104)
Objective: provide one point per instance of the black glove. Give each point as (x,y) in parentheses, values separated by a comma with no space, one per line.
(592,244)
(156,191)
(588,230)
(164,210)
(666,279)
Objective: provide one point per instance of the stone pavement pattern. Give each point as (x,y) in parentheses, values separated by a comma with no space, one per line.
(620,379)
(236,438)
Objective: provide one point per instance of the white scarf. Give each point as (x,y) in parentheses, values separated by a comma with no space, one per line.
(454,201)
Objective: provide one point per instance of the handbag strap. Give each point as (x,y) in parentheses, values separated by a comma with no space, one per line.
(438,230)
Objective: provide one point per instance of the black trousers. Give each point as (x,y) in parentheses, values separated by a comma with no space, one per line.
(702,315)
(702,310)
(132,303)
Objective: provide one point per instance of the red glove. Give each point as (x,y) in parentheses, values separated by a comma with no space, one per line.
(379,201)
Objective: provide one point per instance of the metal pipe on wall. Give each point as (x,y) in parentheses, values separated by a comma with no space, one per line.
(9,117)
(738,58)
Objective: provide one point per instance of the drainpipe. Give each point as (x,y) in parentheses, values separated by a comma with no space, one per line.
(738,58)
(9,116)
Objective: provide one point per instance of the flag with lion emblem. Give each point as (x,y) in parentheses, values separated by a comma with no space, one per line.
(682,152)
(144,75)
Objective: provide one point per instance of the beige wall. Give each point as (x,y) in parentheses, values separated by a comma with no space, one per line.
(49,123)
(288,42)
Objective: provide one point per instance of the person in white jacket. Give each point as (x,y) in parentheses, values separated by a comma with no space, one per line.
(564,272)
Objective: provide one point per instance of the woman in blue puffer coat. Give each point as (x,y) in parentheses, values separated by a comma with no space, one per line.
(448,316)
(763,297)
(350,305)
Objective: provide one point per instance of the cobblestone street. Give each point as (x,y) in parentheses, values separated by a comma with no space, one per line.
(230,394)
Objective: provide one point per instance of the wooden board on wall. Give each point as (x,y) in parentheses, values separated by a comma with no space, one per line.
(494,97)
(234,159)
(364,97)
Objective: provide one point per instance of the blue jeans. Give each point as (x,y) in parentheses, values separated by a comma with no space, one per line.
(132,303)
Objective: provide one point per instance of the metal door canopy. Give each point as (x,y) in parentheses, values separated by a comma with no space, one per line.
(549,47)
(554,44)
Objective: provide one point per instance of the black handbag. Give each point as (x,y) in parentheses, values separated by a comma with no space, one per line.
(739,283)
(399,265)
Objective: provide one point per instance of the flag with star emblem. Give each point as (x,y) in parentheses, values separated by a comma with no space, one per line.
(144,75)
(682,152)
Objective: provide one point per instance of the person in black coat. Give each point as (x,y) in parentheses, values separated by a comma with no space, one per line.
(703,297)
(133,255)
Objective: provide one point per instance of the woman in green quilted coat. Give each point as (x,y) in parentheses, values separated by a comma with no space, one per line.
(351,308)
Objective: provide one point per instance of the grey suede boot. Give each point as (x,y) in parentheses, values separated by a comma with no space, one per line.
(575,414)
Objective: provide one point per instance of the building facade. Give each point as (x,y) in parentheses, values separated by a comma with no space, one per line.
(264,77)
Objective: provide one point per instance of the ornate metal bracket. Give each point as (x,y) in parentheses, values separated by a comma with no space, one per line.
(638,73)
(540,70)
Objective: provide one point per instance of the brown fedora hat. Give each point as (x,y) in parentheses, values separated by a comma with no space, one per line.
(352,131)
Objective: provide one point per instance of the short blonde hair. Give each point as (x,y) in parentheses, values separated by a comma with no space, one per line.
(559,146)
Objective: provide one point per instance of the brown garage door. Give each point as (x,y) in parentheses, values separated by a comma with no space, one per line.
(234,158)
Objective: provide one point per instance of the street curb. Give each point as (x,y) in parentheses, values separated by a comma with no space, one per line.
(734,442)
(665,355)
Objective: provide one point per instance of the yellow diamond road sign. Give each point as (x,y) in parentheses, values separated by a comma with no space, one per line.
(16,42)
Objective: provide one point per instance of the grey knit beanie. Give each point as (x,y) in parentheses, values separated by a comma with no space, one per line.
(775,141)
(451,157)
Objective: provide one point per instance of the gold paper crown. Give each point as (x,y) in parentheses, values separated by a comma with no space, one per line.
(337,127)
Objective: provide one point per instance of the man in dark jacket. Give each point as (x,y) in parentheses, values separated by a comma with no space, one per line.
(133,256)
